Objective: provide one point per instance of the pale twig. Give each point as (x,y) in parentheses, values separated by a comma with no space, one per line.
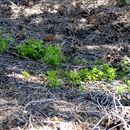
(30,122)
(114,100)
(46,100)
(56,101)
(19,118)
(39,121)
(116,111)
(126,125)
(19,128)
(118,125)
(44,87)
(8,108)
(99,122)
(38,101)
(76,66)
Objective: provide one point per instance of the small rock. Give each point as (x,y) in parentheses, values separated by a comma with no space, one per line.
(97,32)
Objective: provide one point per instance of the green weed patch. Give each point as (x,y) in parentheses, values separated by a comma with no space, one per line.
(36,49)
(4,43)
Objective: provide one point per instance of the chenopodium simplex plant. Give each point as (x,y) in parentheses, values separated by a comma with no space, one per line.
(73,76)
(101,72)
(90,74)
(36,49)
(53,55)
(33,49)
(124,68)
(109,72)
(4,43)
(53,78)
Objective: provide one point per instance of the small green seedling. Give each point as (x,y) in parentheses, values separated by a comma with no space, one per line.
(53,55)
(124,67)
(36,49)
(101,72)
(4,43)
(84,73)
(33,49)
(121,89)
(82,88)
(95,74)
(53,79)
(80,61)
(73,76)
(109,72)
(25,73)
(128,84)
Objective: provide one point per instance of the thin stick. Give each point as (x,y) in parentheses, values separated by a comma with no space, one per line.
(46,100)
(99,122)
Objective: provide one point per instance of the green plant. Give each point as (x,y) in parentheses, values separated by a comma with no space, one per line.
(95,74)
(98,73)
(128,84)
(31,48)
(121,89)
(109,72)
(92,74)
(53,54)
(124,66)
(80,61)
(25,73)
(102,72)
(73,76)
(98,61)
(53,79)
(4,43)
(36,49)
(82,88)
(83,73)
